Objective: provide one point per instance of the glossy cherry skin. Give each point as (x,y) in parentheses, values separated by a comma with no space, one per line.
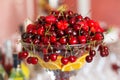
(50,19)
(23,55)
(34,60)
(29,60)
(72,58)
(30,28)
(40,31)
(46,58)
(73,40)
(63,40)
(53,57)
(82,39)
(53,39)
(64,60)
(92,53)
(62,25)
(89,58)
(98,36)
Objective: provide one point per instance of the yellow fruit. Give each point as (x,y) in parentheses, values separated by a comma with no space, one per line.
(57,65)
(51,65)
(76,65)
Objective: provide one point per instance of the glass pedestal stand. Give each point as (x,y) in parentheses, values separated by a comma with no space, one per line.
(59,75)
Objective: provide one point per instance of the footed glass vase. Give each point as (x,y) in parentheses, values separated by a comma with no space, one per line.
(62,70)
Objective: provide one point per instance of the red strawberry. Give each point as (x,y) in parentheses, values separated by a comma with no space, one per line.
(62,25)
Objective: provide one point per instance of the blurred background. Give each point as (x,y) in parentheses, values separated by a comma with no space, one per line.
(13,14)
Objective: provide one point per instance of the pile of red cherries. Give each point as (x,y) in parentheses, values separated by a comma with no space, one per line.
(63,28)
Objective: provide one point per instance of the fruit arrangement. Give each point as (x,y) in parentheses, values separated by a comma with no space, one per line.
(62,40)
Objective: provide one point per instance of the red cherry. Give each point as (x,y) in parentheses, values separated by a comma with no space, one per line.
(53,39)
(68,30)
(36,41)
(46,58)
(62,25)
(40,31)
(34,31)
(50,19)
(72,58)
(63,40)
(92,53)
(89,58)
(73,40)
(23,55)
(53,57)
(69,13)
(91,23)
(77,27)
(45,51)
(79,17)
(28,40)
(82,39)
(105,48)
(87,18)
(60,33)
(45,40)
(34,60)
(107,53)
(29,60)
(30,28)
(103,53)
(98,36)
(72,21)
(83,25)
(64,60)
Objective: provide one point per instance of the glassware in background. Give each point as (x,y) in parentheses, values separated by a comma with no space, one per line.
(3,74)
(16,73)
(8,62)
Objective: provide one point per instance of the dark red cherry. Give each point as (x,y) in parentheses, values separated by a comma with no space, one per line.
(29,60)
(105,48)
(82,39)
(34,60)
(73,40)
(69,13)
(92,53)
(79,17)
(24,36)
(68,30)
(103,53)
(45,40)
(28,40)
(74,33)
(53,57)
(60,33)
(53,39)
(40,31)
(63,40)
(30,28)
(77,27)
(89,58)
(36,41)
(98,36)
(72,21)
(64,60)
(46,58)
(50,19)
(72,58)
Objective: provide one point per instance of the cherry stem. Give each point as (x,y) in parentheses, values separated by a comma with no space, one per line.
(69,48)
(80,30)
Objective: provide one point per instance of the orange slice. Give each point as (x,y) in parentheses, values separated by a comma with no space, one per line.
(76,65)
(51,65)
